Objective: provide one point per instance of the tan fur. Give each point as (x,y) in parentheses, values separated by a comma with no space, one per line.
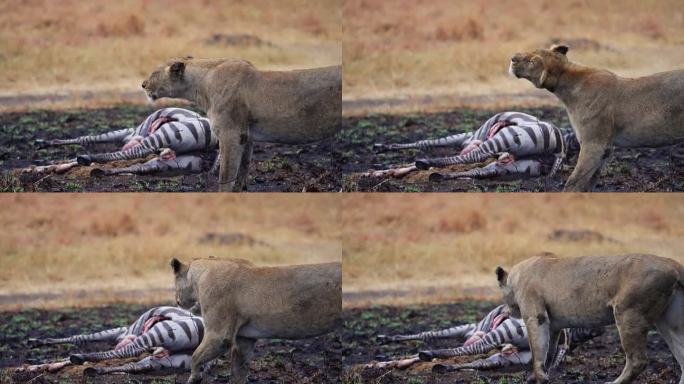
(606,109)
(241,303)
(637,292)
(245,105)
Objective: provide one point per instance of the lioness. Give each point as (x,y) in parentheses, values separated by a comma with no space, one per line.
(245,104)
(606,109)
(634,291)
(241,303)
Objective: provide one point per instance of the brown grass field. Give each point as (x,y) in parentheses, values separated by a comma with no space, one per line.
(72,47)
(430,248)
(461,48)
(101,248)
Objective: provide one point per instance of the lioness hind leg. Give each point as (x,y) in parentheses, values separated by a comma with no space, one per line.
(539,334)
(243,171)
(633,328)
(241,355)
(671,328)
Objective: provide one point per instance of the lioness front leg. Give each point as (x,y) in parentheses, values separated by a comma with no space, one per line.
(241,355)
(591,158)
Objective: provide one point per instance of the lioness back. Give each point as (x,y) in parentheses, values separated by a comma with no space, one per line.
(659,101)
(302,106)
(287,302)
(579,289)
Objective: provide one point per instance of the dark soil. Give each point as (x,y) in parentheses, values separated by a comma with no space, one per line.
(628,170)
(275,167)
(314,360)
(597,361)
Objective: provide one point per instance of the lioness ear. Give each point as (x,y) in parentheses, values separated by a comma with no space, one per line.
(501,276)
(177,69)
(562,49)
(176,265)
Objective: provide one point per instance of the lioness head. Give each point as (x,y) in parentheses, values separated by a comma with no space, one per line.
(185,294)
(167,80)
(541,67)
(508,294)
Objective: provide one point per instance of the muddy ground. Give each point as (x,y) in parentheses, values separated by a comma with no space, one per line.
(275,167)
(628,169)
(314,360)
(597,361)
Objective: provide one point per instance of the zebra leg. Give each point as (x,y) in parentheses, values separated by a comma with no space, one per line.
(148,364)
(560,351)
(137,152)
(398,364)
(241,355)
(454,140)
(496,361)
(459,332)
(109,137)
(49,367)
(397,172)
(185,164)
(477,155)
(130,350)
(477,348)
(106,335)
(520,169)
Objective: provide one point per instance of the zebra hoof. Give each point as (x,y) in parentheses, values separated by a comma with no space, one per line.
(97,172)
(84,160)
(379,148)
(440,368)
(90,371)
(425,356)
(77,359)
(436,176)
(423,164)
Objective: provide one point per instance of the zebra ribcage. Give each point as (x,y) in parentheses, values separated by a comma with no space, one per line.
(169,312)
(516,140)
(106,335)
(510,331)
(182,136)
(173,335)
(485,325)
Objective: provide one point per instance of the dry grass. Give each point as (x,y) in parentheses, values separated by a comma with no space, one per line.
(463,47)
(444,246)
(109,243)
(71,45)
